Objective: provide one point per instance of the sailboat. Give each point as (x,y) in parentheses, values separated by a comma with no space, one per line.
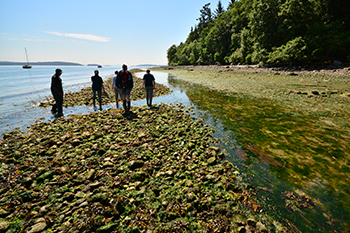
(26,66)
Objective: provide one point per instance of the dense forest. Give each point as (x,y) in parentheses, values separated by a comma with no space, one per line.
(268,31)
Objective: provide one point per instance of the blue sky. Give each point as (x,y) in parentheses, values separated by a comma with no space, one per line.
(105,32)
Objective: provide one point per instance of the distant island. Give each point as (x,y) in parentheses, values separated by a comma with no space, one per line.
(49,63)
(93,65)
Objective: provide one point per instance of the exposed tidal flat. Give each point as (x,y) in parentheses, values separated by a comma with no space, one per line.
(296,121)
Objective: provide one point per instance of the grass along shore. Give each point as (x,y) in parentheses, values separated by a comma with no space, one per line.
(156,171)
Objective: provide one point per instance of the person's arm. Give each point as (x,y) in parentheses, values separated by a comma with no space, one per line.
(103,88)
(132,81)
(154,84)
(117,80)
(54,87)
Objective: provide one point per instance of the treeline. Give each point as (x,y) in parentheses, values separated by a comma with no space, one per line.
(268,31)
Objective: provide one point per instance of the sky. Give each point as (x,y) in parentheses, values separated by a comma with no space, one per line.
(106,32)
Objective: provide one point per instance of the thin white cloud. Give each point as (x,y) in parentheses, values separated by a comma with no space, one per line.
(81,36)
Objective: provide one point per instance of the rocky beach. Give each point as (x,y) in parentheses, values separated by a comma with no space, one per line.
(152,171)
(162,170)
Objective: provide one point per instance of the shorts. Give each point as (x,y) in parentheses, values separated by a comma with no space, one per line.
(125,91)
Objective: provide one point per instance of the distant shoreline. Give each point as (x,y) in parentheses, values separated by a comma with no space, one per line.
(55,63)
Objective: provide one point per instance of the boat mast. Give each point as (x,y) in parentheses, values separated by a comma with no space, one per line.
(26,56)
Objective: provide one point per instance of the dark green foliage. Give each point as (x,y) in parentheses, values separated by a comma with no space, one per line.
(219,9)
(267,31)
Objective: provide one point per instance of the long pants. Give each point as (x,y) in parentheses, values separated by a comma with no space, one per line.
(149,95)
(120,93)
(99,93)
(59,102)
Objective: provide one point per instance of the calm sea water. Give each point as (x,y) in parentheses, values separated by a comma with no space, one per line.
(21,88)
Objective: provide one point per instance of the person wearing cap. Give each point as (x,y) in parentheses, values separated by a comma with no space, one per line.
(97,86)
(57,92)
(149,85)
(116,90)
(125,83)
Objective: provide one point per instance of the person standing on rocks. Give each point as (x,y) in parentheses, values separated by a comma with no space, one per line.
(116,90)
(97,86)
(149,85)
(125,83)
(57,92)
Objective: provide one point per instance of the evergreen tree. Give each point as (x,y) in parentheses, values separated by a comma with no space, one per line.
(230,4)
(219,9)
(205,17)
(268,31)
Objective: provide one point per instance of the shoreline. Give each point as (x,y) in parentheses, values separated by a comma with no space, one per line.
(308,69)
(297,89)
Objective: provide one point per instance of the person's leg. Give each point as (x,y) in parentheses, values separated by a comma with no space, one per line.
(54,106)
(128,98)
(60,106)
(124,98)
(99,92)
(147,95)
(116,93)
(94,97)
(150,96)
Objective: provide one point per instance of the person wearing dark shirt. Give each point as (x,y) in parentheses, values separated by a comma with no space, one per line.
(97,86)
(57,92)
(125,83)
(149,85)
(116,90)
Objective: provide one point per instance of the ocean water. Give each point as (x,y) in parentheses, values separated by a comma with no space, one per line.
(21,89)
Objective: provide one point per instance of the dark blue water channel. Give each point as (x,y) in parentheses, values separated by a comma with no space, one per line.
(327,213)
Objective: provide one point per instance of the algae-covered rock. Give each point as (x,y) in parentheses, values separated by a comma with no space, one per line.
(212,161)
(38,227)
(4,224)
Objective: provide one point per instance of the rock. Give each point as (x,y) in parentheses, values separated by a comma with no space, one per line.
(337,63)
(189,183)
(42,210)
(108,164)
(90,174)
(212,161)
(135,164)
(4,225)
(217,149)
(39,227)
(85,203)
(69,196)
(261,227)
(315,93)
(107,228)
(94,185)
(3,213)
